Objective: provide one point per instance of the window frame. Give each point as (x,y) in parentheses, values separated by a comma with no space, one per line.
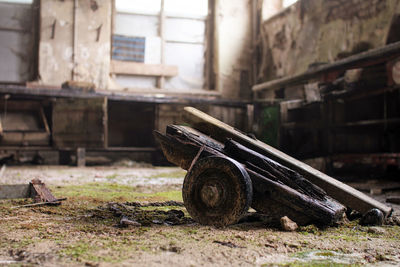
(208,42)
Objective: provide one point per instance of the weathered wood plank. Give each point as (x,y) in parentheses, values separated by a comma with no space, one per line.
(135,68)
(302,208)
(364,59)
(343,193)
(40,192)
(80,123)
(14,191)
(272,170)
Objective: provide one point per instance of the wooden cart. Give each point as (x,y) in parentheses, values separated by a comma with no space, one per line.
(225,178)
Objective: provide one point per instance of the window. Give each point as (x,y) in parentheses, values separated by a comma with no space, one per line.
(18,1)
(16,37)
(287,3)
(168,32)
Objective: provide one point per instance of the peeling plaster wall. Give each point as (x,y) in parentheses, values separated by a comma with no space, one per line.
(233,45)
(321,32)
(91,62)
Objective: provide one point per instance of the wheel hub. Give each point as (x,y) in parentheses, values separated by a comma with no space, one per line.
(210,194)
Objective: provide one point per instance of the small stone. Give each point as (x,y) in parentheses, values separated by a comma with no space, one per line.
(393,220)
(372,217)
(126,222)
(288,225)
(376,230)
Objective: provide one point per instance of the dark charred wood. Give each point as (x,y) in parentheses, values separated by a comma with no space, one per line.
(187,133)
(181,144)
(272,169)
(278,191)
(299,207)
(338,190)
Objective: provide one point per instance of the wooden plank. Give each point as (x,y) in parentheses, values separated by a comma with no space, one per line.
(14,191)
(135,68)
(191,97)
(40,192)
(345,194)
(364,59)
(80,157)
(25,138)
(80,123)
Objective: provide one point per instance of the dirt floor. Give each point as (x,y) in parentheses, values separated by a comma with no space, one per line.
(98,225)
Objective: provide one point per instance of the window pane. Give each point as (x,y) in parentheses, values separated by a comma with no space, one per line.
(187,8)
(190,61)
(18,1)
(139,6)
(287,3)
(136,25)
(136,82)
(189,30)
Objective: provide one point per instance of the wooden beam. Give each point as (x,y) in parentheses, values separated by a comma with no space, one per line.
(135,68)
(365,59)
(345,194)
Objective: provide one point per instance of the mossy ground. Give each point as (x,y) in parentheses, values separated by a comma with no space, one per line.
(81,231)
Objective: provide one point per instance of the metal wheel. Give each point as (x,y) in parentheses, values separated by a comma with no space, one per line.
(217,191)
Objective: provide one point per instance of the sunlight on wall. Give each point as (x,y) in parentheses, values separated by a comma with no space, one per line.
(287,3)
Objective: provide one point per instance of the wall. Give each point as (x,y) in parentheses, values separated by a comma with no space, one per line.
(233,47)
(91,60)
(312,32)
(90,63)
(270,8)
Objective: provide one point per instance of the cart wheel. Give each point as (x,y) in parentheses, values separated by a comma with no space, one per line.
(217,191)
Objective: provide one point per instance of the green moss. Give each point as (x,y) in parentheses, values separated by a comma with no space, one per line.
(105,192)
(76,250)
(321,258)
(20,244)
(111,177)
(317,263)
(172,174)
(105,249)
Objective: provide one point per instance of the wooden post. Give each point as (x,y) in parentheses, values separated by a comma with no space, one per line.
(80,157)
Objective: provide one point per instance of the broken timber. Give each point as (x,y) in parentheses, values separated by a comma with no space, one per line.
(277,190)
(36,190)
(345,194)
